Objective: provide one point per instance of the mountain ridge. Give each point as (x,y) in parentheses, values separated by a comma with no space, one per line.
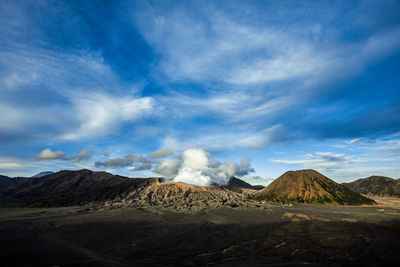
(66,188)
(6,182)
(41,174)
(375,185)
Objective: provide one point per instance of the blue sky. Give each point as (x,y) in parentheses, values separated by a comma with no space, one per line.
(288,84)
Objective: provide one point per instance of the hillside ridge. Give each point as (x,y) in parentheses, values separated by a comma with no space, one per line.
(380,186)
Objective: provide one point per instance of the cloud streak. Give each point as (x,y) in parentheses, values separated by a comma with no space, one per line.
(320,160)
(125,161)
(208,44)
(84,155)
(161,153)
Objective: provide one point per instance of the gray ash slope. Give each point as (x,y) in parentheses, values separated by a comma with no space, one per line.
(181,196)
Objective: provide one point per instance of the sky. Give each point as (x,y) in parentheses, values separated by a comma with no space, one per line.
(197,91)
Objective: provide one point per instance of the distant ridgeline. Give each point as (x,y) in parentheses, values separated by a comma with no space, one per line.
(376,186)
(66,188)
(6,182)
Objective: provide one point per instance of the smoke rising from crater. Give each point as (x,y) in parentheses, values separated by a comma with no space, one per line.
(196,166)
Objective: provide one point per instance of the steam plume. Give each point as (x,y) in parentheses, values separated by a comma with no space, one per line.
(196,166)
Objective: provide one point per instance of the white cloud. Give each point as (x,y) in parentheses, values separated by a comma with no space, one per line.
(82,83)
(196,159)
(91,114)
(196,168)
(101,114)
(48,154)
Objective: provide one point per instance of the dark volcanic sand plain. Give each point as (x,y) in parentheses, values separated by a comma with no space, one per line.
(271,234)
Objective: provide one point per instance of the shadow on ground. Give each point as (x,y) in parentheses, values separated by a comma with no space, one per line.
(279,235)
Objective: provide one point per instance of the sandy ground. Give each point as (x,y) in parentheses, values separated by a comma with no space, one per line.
(387,201)
(273,234)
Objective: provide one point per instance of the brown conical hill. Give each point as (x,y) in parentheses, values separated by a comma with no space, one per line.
(309,186)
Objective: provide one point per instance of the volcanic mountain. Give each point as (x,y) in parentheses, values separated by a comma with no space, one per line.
(180,196)
(376,186)
(67,188)
(309,186)
(239,186)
